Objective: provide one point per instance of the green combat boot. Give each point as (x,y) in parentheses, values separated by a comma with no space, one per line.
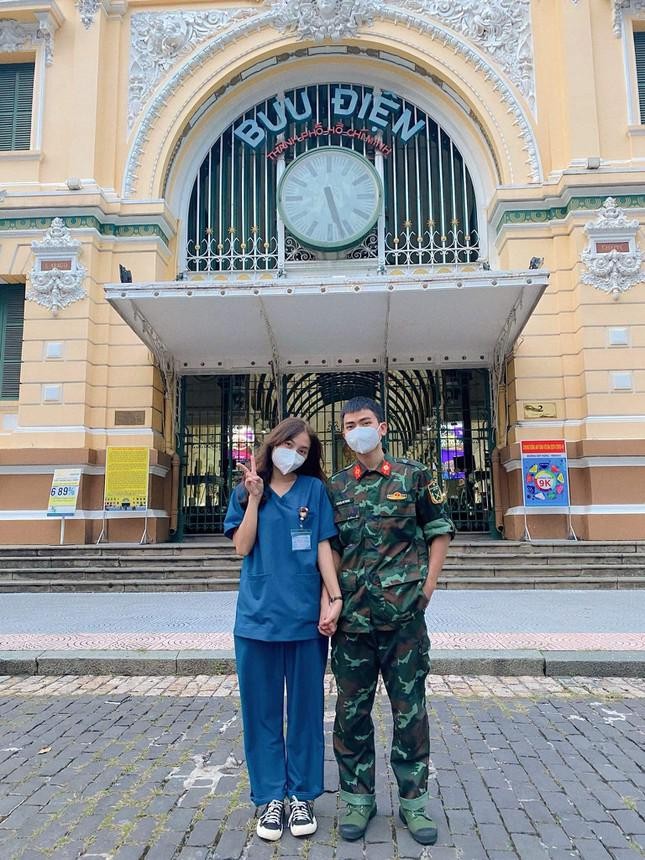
(413,814)
(360,810)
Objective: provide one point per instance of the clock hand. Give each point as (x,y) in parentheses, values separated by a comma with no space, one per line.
(333,209)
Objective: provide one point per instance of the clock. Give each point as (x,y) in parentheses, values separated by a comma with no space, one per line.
(330,198)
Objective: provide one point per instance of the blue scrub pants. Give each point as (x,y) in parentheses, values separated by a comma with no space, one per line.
(278,769)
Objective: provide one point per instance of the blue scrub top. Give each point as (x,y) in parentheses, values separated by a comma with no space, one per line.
(279,597)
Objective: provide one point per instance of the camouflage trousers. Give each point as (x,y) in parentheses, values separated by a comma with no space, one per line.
(402,657)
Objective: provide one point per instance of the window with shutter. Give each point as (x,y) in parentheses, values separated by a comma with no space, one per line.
(16,99)
(12,316)
(639,52)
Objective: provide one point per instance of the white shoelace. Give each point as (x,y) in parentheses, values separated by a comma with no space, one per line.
(273,814)
(299,810)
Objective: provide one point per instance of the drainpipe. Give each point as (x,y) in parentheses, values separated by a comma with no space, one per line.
(500,490)
(174,492)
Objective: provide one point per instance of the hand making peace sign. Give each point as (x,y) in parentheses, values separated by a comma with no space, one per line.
(253,483)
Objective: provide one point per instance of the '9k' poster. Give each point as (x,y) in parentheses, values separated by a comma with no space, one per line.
(545,478)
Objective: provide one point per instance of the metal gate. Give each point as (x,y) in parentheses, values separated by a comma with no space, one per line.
(441,418)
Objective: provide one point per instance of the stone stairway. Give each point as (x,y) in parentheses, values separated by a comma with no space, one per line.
(212,566)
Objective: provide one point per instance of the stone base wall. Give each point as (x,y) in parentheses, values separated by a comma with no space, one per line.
(25,483)
(606,480)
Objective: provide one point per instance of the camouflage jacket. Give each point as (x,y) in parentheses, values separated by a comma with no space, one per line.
(385,518)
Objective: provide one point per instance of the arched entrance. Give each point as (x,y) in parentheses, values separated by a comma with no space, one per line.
(235,219)
(373,279)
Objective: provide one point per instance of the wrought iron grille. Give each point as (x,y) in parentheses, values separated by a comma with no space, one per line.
(429,215)
(441,419)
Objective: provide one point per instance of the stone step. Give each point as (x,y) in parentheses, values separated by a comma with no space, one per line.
(222,546)
(104,573)
(232,562)
(158,585)
(178,585)
(116,562)
(232,570)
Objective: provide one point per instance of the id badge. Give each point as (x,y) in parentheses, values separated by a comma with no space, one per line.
(300,540)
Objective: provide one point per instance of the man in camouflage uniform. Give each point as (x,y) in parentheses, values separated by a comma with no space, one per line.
(388,512)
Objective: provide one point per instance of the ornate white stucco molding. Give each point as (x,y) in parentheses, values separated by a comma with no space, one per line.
(158,41)
(489,34)
(18,36)
(612,258)
(620,8)
(323,19)
(56,278)
(89,8)
(501,29)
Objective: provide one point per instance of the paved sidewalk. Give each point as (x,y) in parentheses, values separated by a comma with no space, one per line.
(495,632)
(134,768)
(552,620)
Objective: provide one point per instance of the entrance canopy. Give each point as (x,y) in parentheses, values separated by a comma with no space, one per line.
(241,322)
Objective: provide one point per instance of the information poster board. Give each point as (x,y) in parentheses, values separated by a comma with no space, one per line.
(545,476)
(126,479)
(63,495)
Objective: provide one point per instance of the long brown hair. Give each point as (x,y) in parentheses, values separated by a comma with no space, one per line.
(282,432)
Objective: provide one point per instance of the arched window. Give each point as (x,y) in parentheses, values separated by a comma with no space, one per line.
(429,212)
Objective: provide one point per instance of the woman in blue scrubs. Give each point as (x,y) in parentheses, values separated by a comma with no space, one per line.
(281,520)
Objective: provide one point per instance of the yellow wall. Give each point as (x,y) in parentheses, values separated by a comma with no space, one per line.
(581,112)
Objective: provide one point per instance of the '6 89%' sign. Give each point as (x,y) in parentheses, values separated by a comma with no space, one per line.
(63,495)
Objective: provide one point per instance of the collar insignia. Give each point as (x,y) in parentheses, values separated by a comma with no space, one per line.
(386,468)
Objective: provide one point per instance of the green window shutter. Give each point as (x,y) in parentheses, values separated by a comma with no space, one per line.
(16,100)
(12,317)
(639,52)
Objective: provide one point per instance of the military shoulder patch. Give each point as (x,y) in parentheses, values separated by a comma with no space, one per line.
(435,492)
(396,497)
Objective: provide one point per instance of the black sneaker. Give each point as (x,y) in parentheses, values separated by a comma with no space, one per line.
(302,821)
(269,824)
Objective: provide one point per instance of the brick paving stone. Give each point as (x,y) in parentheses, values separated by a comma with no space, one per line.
(130,852)
(460,821)
(204,832)
(553,836)
(470,847)
(231,845)
(591,849)
(316,852)
(576,827)
(529,847)
(351,851)
(629,821)
(516,821)
(494,837)
(610,835)
(505,751)
(626,854)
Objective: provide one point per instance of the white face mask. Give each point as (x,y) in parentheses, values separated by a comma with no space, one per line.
(363,439)
(287,459)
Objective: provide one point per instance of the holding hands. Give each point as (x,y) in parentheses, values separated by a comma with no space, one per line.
(253,483)
(329,615)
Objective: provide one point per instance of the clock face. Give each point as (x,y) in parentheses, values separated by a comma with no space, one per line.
(329,198)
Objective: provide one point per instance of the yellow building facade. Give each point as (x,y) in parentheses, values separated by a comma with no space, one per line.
(214,214)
